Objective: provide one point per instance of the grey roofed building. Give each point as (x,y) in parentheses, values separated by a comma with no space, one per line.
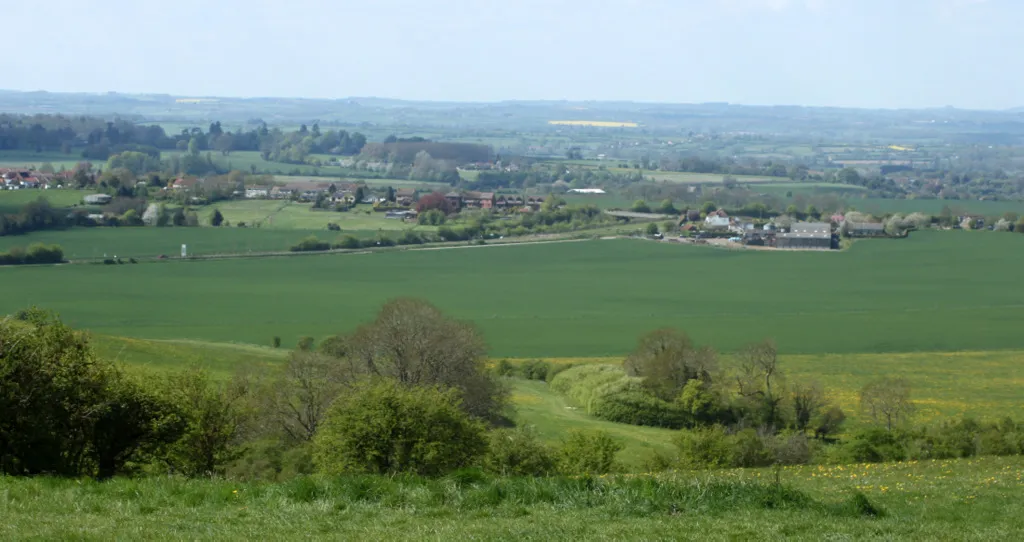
(813,235)
(864,229)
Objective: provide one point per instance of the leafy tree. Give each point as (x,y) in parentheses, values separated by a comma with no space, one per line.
(193,147)
(414,343)
(178,219)
(808,401)
(667,360)
(385,427)
(46,167)
(652,228)
(667,208)
(887,401)
(708,207)
(162,217)
(296,396)
(214,414)
(348,241)
(434,201)
(65,412)
(588,453)
(217,219)
(640,206)
(391,194)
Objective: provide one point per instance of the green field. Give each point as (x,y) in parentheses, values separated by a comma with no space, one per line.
(28,159)
(283,214)
(934,206)
(92,243)
(977,499)
(591,298)
(12,200)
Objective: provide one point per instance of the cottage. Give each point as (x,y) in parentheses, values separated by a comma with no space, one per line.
(715,222)
(281,192)
(182,183)
(454,200)
(806,235)
(255,192)
(478,200)
(405,196)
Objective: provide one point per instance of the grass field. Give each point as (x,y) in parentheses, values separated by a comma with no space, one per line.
(979,499)
(30,159)
(91,243)
(934,206)
(591,298)
(276,214)
(12,200)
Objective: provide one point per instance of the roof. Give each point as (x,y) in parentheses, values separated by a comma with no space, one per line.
(182,181)
(808,230)
(405,192)
(872,226)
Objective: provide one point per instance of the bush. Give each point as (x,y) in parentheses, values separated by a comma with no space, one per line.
(606,392)
(702,448)
(386,428)
(588,453)
(518,452)
(310,244)
(410,237)
(536,370)
(505,368)
(557,369)
(36,254)
(349,242)
(750,450)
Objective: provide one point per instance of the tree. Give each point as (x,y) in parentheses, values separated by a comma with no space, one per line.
(667,208)
(652,228)
(193,147)
(887,401)
(808,401)
(297,396)
(191,219)
(217,219)
(384,427)
(667,360)
(162,216)
(708,207)
(214,417)
(391,194)
(178,219)
(65,412)
(640,206)
(434,200)
(46,167)
(414,343)
(758,383)
(1019,227)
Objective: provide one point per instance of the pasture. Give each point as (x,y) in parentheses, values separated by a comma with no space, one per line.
(12,200)
(284,214)
(591,298)
(29,159)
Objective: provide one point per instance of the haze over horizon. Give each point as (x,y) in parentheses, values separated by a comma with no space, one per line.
(844,53)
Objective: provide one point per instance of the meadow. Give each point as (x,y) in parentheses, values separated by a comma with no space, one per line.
(13,200)
(587,299)
(29,159)
(975,499)
(284,214)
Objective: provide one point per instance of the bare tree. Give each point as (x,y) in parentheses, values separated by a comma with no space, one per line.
(414,343)
(758,380)
(299,396)
(887,400)
(808,402)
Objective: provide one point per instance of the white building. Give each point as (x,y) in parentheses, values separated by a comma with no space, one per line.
(587,191)
(254,192)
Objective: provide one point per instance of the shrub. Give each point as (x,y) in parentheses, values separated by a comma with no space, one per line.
(536,370)
(750,450)
(706,447)
(518,452)
(588,453)
(348,241)
(277,342)
(310,244)
(410,237)
(387,428)
(557,369)
(606,392)
(505,368)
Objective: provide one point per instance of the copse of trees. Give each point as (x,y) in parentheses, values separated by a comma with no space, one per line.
(406,152)
(37,253)
(33,216)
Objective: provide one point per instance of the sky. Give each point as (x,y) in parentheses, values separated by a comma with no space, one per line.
(847,53)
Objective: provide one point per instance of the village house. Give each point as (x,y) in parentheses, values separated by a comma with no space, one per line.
(185,183)
(281,192)
(405,196)
(806,235)
(257,192)
(717,220)
(478,200)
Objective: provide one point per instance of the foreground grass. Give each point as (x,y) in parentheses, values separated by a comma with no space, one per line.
(962,500)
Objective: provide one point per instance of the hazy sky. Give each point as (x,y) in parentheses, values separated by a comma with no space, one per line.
(864,53)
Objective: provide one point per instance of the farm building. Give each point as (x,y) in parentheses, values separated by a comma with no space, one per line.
(715,222)
(405,196)
(254,192)
(587,191)
(806,235)
(864,229)
(97,199)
